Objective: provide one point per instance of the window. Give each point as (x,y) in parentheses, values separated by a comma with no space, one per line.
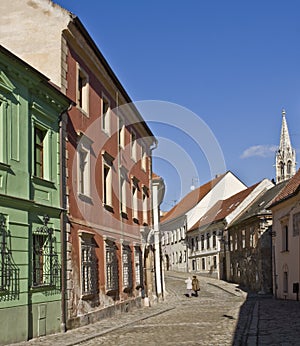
(203,263)
(127,267)
(285,282)
(3,131)
(202,242)
(135,189)
(39,152)
(289,168)
(9,272)
(208,241)
(133,146)
(105,115)
(82,90)
(121,133)
(112,279)
(83,162)
(214,240)
(138,266)
(215,262)
(243,239)
(296,224)
(107,179)
(145,205)
(89,265)
(193,245)
(123,180)
(196,244)
(143,158)
(45,269)
(285,238)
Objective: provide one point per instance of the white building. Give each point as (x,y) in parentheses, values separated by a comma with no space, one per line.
(187,212)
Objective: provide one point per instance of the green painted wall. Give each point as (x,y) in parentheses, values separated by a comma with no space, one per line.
(28,100)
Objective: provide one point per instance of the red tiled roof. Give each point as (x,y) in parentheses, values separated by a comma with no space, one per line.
(223,208)
(155,176)
(191,199)
(290,189)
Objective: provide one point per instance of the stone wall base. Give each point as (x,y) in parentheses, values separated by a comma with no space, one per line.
(104,313)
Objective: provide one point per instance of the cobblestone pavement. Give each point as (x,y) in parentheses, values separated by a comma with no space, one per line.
(221,315)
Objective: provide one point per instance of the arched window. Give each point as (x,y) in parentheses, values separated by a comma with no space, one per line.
(289,167)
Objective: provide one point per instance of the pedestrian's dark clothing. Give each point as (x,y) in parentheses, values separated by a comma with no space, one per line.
(195,285)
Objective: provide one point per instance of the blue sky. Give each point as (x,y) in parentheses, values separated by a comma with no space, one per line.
(234,64)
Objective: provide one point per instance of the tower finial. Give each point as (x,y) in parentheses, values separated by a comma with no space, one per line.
(283,112)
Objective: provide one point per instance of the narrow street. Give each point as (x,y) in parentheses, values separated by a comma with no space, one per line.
(221,315)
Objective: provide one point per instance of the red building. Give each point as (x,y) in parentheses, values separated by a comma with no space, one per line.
(108,163)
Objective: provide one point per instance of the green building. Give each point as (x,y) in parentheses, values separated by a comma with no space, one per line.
(31,201)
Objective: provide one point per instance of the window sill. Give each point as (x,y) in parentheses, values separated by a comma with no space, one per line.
(124,215)
(88,296)
(285,251)
(42,288)
(85,198)
(4,166)
(84,112)
(108,208)
(43,182)
(135,220)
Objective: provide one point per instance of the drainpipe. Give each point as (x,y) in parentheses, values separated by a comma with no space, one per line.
(62,129)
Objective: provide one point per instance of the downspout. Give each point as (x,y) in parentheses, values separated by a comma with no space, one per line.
(62,157)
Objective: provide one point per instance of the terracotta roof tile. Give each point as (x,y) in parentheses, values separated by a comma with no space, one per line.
(222,208)
(290,189)
(191,200)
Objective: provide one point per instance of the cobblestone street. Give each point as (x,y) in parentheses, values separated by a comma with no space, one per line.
(221,315)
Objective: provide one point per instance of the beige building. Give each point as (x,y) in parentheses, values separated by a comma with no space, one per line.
(286,240)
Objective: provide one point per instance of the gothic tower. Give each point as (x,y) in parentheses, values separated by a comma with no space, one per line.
(285,155)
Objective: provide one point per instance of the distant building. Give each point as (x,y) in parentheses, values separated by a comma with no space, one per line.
(285,155)
(286,240)
(210,242)
(179,220)
(251,251)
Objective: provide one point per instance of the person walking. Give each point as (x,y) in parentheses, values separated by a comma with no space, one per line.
(195,285)
(189,287)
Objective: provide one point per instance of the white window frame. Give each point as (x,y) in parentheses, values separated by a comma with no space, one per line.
(121,133)
(123,190)
(82,96)
(105,116)
(145,197)
(84,148)
(107,164)
(143,157)
(134,195)
(133,145)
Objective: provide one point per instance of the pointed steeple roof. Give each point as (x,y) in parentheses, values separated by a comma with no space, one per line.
(285,141)
(285,155)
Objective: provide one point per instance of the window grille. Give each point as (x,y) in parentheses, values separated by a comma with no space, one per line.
(45,266)
(89,266)
(127,266)
(112,278)
(9,272)
(138,265)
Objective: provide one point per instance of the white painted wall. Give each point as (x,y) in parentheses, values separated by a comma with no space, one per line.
(228,186)
(32,30)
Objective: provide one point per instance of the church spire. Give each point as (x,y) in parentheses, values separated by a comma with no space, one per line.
(285,155)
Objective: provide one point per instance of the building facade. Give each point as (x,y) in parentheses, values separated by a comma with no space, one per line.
(108,153)
(176,248)
(286,240)
(31,110)
(251,254)
(209,240)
